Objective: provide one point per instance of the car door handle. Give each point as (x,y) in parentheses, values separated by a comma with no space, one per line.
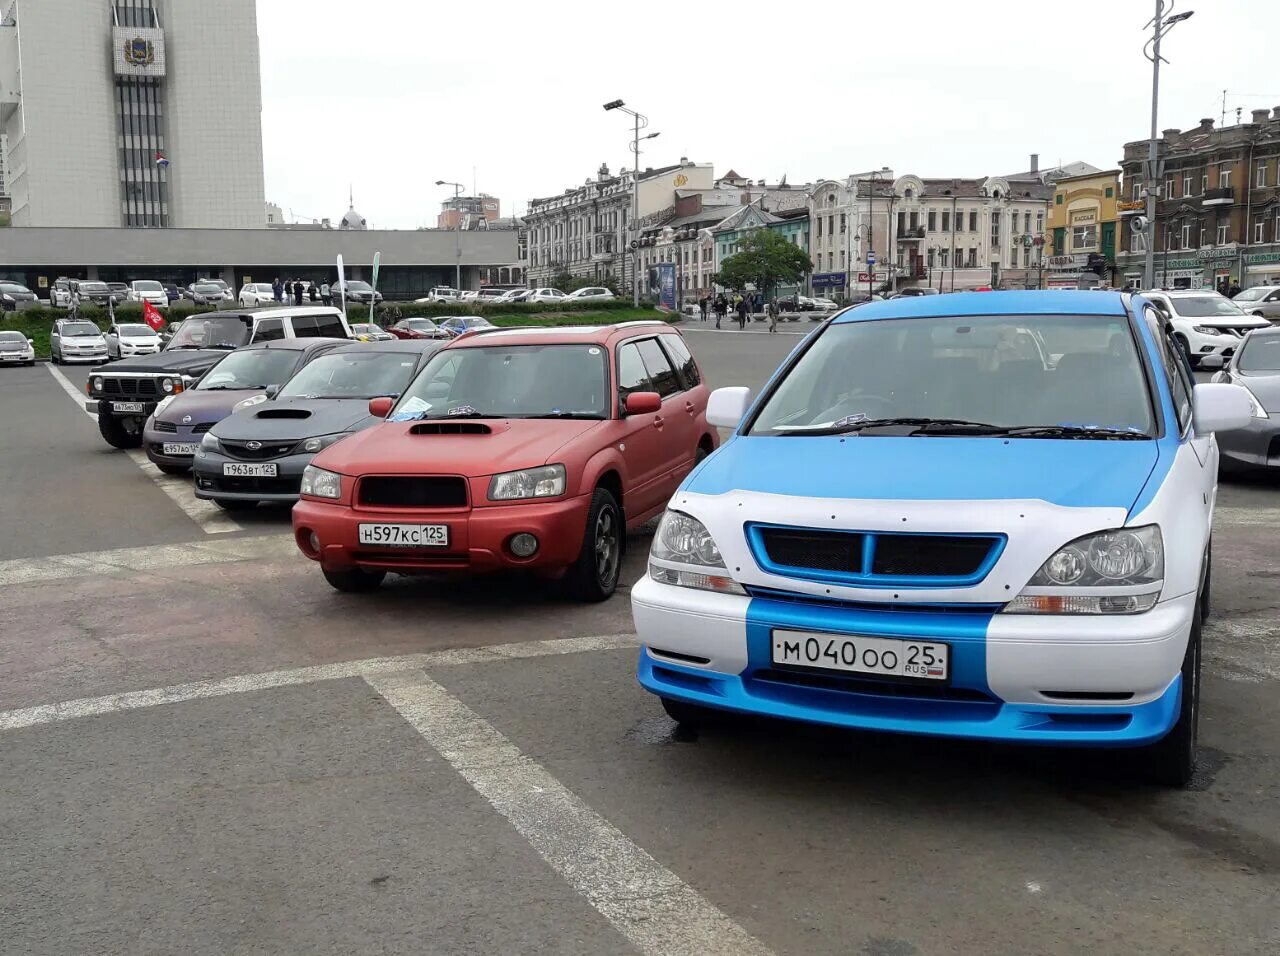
(690,407)
(657,421)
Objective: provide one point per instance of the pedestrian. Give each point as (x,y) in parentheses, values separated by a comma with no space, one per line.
(742,313)
(702,308)
(277,289)
(326,294)
(773,314)
(1234,290)
(313,294)
(721,307)
(297,292)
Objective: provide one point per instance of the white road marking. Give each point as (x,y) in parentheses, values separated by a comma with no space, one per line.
(652,907)
(209,517)
(247,683)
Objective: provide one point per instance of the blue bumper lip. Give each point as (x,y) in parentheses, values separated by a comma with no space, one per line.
(1042,724)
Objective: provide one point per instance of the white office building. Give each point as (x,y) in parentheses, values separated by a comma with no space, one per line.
(132,113)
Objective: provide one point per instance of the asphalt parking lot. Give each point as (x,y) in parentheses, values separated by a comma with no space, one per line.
(207,750)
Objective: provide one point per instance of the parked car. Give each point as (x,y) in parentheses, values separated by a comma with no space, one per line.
(915,290)
(1261,300)
(417,328)
(90,292)
(76,340)
(120,290)
(370,332)
(455,325)
(1008,550)
(147,290)
(172,435)
(259,453)
(358,292)
(590,294)
(16,348)
(805,304)
(440,295)
(256,294)
(1205,323)
(125,395)
(518,449)
(545,295)
(227,294)
(127,339)
(488,296)
(172,291)
(1255,367)
(469,295)
(15,296)
(60,293)
(514,295)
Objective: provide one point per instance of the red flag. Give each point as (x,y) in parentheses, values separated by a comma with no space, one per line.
(151,315)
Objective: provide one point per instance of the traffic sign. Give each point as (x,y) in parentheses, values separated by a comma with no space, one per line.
(871,257)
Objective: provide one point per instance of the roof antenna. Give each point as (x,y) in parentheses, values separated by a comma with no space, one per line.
(351,196)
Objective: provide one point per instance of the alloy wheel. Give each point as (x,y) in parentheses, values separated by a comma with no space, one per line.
(607,545)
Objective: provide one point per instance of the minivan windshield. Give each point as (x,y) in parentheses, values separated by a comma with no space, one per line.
(252,368)
(1261,353)
(1204,306)
(513,381)
(200,332)
(355,374)
(1040,376)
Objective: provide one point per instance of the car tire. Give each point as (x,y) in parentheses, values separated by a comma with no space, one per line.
(354,580)
(116,435)
(53,358)
(1171,761)
(234,504)
(685,714)
(175,469)
(593,577)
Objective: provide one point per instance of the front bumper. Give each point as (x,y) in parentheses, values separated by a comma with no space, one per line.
(1016,678)
(212,485)
(104,406)
(1199,345)
(1257,445)
(477,537)
(18,358)
(98,355)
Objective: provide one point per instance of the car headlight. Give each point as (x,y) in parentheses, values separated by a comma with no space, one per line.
(97,384)
(312,445)
(166,384)
(320,483)
(684,554)
(1255,406)
(545,482)
(164,403)
(1208,330)
(1111,572)
(209,443)
(249,402)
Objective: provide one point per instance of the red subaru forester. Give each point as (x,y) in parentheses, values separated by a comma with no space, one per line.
(512,448)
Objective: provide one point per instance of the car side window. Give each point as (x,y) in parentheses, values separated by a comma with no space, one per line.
(269,330)
(304,327)
(664,377)
(1175,368)
(682,359)
(329,326)
(632,375)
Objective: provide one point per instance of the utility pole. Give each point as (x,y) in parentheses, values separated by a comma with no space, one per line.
(641,122)
(457,236)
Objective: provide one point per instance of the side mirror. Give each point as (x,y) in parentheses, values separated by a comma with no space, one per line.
(1218,407)
(726,406)
(272,391)
(31,342)
(642,403)
(1213,362)
(380,407)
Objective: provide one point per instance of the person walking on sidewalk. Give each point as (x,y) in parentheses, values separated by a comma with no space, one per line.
(722,307)
(702,309)
(277,289)
(326,295)
(742,313)
(297,292)
(773,314)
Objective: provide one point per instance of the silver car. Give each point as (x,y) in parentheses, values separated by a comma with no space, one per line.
(1263,300)
(1256,366)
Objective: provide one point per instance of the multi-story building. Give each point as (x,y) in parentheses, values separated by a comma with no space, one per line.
(587,231)
(792,223)
(136,113)
(1083,223)
(467,212)
(1218,205)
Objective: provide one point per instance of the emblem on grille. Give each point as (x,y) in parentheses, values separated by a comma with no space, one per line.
(253,445)
(186,419)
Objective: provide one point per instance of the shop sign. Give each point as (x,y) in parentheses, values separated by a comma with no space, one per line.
(1223,252)
(1073,263)
(1260,258)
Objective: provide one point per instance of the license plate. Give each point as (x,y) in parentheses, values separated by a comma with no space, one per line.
(405,535)
(232,469)
(883,656)
(180,448)
(135,407)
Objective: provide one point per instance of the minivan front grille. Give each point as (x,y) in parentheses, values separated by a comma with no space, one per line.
(412,491)
(875,559)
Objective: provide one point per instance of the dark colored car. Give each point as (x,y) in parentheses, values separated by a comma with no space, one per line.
(97,293)
(417,329)
(260,452)
(14,296)
(1256,366)
(455,325)
(358,292)
(173,292)
(205,293)
(173,432)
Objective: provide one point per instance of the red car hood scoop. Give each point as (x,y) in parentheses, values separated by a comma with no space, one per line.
(451,428)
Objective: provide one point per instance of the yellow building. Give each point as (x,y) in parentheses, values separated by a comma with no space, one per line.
(1083,221)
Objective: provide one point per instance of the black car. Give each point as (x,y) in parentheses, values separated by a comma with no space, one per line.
(358,292)
(14,296)
(205,293)
(172,291)
(91,292)
(259,453)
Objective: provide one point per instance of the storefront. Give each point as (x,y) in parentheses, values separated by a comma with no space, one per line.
(1262,268)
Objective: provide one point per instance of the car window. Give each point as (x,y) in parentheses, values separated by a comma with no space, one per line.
(269,330)
(632,375)
(1174,364)
(304,327)
(250,368)
(1204,306)
(1260,353)
(364,374)
(329,326)
(1275,297)
(664,377)
(682,359)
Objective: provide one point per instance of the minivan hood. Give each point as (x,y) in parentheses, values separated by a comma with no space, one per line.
(296,419)
(1071,473)
(511,444)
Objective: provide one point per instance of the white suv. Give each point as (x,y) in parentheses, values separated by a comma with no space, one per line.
(256,293)
(148,290)
(1205,322)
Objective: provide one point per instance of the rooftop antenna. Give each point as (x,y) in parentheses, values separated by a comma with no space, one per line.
(1222,121)
(351,196)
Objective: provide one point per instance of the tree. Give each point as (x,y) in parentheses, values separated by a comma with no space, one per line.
(766,258)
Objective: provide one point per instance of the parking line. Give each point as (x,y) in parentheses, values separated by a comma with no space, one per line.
(209,517)
(652,907)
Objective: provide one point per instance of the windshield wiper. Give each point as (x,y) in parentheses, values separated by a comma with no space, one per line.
(591,415)
(923,426)
(1100,432)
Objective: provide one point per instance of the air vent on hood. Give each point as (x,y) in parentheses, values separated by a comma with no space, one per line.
(450,428)
(296,413)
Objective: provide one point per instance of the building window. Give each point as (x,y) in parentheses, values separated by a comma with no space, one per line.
(1137,190)
(933,223)
(1204,234)
(819,232)
(973,220)
(902,222)
(973,257)
(930,257)
(1204,183)
(946,221)
(1084,238)
(1186,184)
(1259,230)
(1224,176)
(831,225)
(1057,200)
(1224,233)
(1039,223)
(1110,192)
(944,258)
(1185,241)
(844,221)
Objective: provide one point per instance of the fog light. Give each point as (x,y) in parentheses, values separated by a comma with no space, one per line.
(523,545)
(314,541)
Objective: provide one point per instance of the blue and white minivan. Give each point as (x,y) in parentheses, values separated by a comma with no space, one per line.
(983,515)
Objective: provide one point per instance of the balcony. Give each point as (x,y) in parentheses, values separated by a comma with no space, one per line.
(1225,196)
(914,234)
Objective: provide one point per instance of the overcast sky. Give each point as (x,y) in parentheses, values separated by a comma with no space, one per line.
(391,95)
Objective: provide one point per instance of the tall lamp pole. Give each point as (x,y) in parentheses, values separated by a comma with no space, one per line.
(641,122)
(457,239)
(1160,25)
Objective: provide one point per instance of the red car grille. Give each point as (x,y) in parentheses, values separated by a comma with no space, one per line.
(412,491)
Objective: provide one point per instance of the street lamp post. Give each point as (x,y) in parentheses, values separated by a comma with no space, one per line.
(641,122)
(1161,24)
(457,241)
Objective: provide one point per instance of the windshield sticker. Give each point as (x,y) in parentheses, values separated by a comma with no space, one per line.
(851,420)
(413,409)
(463,409)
